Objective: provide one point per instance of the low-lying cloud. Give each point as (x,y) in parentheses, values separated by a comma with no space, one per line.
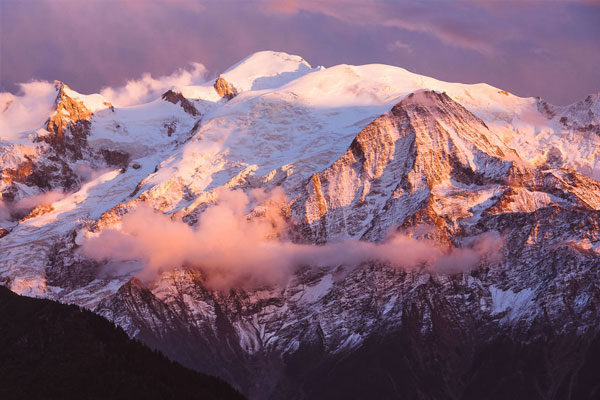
(234,248)
(13,211)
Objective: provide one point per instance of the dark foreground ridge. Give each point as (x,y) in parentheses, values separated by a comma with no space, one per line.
(54,351)
(404,366)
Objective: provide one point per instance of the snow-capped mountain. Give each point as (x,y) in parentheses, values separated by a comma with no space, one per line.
(358,152)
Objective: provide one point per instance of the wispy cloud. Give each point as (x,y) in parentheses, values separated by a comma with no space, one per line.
(236,249)
(450,28)
(147,88)
(397,45)
(27,110)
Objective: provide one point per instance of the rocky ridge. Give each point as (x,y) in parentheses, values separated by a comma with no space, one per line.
(446,162)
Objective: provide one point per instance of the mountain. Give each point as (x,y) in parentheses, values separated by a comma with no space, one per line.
(55,351)
(357,231)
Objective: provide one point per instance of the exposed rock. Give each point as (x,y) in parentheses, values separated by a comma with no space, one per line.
(393,166)
(38,210)
(70,119)
(178,98)
(63,144)
(545,108)
(115,158)
(225,89)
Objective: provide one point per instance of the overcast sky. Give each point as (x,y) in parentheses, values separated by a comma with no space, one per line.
(548,48)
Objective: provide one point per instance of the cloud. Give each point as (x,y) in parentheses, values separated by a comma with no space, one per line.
(399,45)
(449,28)
(26,111)
(194,6)
(13,211)
(32,106)
(107,43)
(234,248)
(148,88)
(86,173)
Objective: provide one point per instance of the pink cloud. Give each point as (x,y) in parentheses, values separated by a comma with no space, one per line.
(99,44)
(234,248)
(148,88)
(410,17)
(399,45)
(12,211)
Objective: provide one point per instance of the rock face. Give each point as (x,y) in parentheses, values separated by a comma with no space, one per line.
(69,125)
(394,166)
(225,89)
(177,98)
(62,143)
(438,161)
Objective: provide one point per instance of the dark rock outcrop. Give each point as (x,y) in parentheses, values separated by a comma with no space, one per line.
(178,98)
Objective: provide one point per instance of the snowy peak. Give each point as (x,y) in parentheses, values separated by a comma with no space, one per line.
(69,126)
(266,70)
(395,163)
(63,140)
(460,126)
(428,155)
(583,115)
(70,113)
(92,102)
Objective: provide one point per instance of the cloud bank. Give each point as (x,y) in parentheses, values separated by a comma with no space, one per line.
(13,211)
(234,248)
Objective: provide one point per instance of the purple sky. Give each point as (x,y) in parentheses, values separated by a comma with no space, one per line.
(547,48)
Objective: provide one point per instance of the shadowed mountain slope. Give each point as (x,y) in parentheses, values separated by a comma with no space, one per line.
(55,351)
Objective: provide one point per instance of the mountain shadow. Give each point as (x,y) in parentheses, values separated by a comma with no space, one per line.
(50,350)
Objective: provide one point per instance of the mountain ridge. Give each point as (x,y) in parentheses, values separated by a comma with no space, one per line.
(360,152)
(53,351)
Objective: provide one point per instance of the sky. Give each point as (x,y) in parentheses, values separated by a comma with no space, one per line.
(547,48)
